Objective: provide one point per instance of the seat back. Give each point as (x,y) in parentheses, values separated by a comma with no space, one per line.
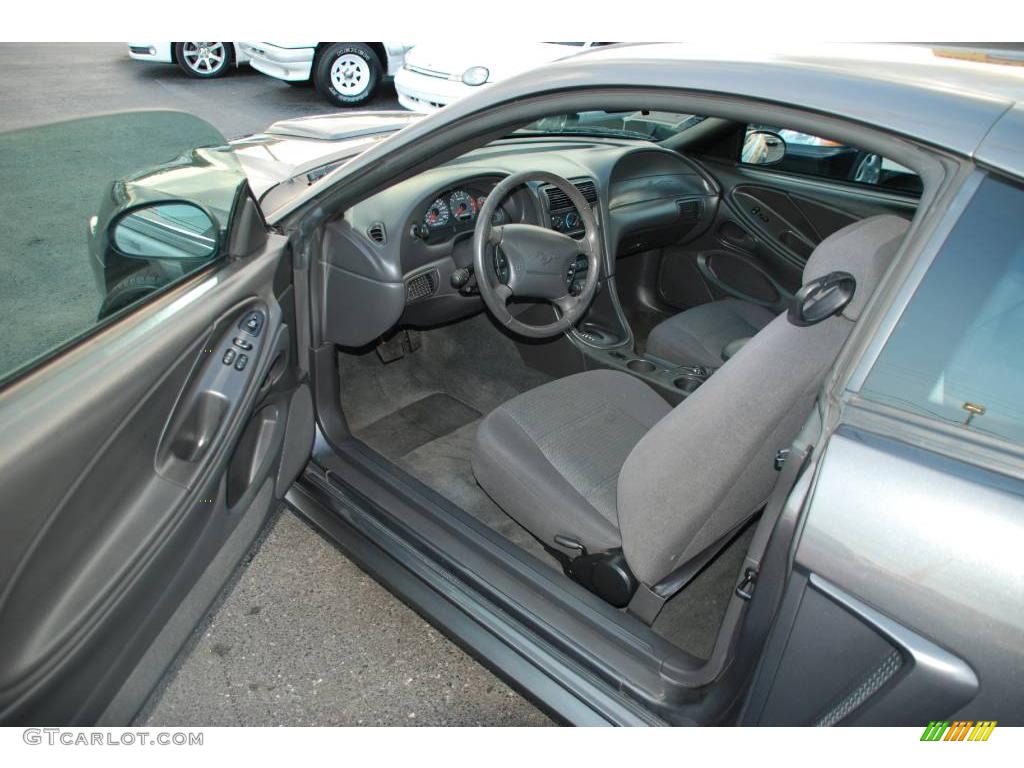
(710,463)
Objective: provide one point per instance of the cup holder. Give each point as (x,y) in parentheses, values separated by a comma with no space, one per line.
(686,383)
(641,366)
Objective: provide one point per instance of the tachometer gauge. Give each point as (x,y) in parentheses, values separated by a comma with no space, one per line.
(437,214)
(463,206)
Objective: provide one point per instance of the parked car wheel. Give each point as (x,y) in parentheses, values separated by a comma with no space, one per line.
(204,60)
(131,289)
(347,73)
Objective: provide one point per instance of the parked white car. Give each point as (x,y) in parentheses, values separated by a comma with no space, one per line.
(347,74)
(435,75)
(203,60)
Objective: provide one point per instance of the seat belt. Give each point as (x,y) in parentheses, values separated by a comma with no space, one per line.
(793,461)
(647,602)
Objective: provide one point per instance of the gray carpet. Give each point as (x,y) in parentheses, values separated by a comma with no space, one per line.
(691,619)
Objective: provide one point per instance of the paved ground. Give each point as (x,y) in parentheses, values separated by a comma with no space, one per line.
(48,294)
(306,638)
(47,81)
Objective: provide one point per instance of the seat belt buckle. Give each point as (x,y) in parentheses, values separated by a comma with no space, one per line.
(745,589)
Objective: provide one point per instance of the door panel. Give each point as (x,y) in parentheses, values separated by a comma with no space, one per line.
(764,232)
(127,463)
(900,611)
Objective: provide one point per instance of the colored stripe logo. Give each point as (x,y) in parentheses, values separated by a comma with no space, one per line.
(959,730)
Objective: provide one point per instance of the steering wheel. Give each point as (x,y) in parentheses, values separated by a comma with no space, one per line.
(538,258)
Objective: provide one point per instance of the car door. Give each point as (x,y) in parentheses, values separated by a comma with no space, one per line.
(153,413)
(773,214)
(904,603)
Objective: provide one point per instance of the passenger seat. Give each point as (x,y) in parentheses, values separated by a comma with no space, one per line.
(700,335)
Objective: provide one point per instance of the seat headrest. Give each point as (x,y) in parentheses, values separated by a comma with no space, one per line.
(864,249)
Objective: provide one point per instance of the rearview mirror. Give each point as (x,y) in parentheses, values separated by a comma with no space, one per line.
(763,148)
(166,230)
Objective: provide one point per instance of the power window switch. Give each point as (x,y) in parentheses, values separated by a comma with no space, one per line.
(229,357)
(242,344)
(241,362)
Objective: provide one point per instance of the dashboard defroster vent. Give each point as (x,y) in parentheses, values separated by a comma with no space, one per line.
(421,286)
(377,233)
(558,200)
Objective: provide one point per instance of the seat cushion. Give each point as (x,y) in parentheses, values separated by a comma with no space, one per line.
(550,458)
(698,335)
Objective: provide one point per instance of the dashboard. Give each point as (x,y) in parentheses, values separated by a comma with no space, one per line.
(401,257)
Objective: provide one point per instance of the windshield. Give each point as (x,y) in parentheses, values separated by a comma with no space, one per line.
(643,124)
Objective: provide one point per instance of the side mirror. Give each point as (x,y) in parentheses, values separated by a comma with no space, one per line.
(166,230)
(763,148)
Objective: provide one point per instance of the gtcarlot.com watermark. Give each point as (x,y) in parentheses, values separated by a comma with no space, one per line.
(70,737)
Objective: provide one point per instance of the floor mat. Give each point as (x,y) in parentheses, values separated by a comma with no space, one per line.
(416,424)
(444,465)
(422,410)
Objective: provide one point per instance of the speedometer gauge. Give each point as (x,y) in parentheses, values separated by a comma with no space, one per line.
(463,206)
(437,214)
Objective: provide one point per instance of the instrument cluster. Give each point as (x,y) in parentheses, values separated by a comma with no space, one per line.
(455,211)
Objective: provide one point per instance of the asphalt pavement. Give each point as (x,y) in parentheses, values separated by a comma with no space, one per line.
(306,638)
(303,637)
(44,82)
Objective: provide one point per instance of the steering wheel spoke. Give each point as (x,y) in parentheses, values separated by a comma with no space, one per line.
(495,235)
(566,304)
(503,293)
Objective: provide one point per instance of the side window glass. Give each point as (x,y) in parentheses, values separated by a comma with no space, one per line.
(796,152)
(955,354)
(100,213)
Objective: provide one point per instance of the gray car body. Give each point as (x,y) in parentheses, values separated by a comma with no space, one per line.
(953,608)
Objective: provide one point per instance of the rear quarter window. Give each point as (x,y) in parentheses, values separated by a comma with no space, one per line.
(957,353)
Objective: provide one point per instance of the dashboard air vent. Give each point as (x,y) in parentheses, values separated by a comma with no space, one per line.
(689,210)
(558,200)
(377,233)
(421,286)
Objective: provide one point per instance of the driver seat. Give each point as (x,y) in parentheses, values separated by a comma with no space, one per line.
(624,488)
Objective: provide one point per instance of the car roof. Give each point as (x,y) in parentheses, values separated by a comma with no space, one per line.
(932,95)
(953,69)
(949,96)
